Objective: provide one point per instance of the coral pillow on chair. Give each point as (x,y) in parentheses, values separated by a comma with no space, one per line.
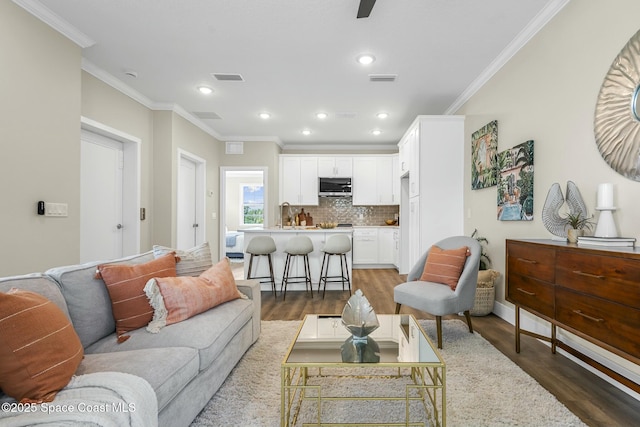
(125,284)
(40,350)
(445,265)
(175,299)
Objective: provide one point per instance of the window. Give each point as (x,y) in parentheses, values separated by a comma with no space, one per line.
(252,197)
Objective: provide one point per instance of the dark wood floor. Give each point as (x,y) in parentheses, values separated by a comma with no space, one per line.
(595,401)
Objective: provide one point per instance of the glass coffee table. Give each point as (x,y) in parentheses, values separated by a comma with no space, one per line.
(403,384)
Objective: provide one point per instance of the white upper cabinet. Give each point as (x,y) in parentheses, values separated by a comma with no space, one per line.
(335,167)
(299,180)
(364,184)
(373,180)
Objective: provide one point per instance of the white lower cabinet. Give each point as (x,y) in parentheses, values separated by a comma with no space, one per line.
(386,246)
(365,246)
(375,246)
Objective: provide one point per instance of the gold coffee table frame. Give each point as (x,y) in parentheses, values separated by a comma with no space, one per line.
(313,353)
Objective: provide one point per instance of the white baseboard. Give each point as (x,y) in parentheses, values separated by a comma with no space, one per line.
(605,358)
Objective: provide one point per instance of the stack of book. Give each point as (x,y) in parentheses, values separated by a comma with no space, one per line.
(628,242)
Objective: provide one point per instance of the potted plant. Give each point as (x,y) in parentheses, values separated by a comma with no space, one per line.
(576,223)
(485,290)
(485,261)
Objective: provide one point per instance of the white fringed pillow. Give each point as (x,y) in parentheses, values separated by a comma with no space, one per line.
(193,262)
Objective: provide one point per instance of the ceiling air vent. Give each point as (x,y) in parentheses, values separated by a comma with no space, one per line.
(234,147)
(228,77)
(383,77)
(207,115)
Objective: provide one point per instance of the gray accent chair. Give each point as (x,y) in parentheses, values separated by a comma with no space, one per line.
(438,299)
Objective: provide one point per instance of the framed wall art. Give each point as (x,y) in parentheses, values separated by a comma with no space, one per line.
(484,146)
(515,183)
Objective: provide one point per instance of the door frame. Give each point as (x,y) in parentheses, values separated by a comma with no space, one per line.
(223,198)
(201,177)
(131,147)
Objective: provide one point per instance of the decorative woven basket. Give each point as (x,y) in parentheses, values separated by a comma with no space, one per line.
(485,298)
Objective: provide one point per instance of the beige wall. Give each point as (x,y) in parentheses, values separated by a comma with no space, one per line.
(548,93)
(40,143)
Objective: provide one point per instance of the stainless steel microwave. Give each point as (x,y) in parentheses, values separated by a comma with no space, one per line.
(334,187)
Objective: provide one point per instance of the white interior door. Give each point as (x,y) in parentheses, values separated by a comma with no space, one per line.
(101,190)
(187,223)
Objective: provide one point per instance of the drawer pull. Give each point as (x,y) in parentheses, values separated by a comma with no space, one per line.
(528,261)
(527,292)
(595,276)
(595,319)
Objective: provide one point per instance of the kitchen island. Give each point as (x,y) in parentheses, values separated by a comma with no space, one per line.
(318,237)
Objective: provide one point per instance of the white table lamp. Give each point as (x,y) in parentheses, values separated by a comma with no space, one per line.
(606,226)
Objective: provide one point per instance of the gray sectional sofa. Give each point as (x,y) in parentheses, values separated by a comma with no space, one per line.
(153,379)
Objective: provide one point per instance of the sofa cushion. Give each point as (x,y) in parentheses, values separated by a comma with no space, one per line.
(175,299)
(168,370)
(125,284)
(38,283)
(40,350)
(445,265)
(207,332)
(193,261)
(87,297)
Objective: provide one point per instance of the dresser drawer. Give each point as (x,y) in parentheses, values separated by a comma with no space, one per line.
(531,294)
(531,260)
(610,323)
(612,278)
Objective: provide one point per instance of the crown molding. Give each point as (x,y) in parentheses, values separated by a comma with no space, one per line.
(393,147)
(115,83)
(179,110)
(550,10)
(45,14)
(273,139)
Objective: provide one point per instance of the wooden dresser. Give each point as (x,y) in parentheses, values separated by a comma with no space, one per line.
(590,291)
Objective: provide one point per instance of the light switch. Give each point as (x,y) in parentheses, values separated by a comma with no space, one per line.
(56,209)
(214,215)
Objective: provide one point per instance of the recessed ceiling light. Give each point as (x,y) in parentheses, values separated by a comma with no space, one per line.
(382,115)
(264,116)
(376,132)
(322,116)
(205,90)
(306,132)
(365,59)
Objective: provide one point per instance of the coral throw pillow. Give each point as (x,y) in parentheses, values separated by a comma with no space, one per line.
(40,351)
(175,299)
(444,265)
(125,284)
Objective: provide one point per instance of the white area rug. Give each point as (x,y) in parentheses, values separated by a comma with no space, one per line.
(484,388)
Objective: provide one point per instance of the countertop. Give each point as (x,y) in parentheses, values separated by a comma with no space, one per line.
(301,229)
(313,229)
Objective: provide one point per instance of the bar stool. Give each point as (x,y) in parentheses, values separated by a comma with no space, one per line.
(337,244)
(262,246)
(297,246)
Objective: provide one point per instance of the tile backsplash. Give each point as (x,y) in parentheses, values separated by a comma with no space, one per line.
(340,210)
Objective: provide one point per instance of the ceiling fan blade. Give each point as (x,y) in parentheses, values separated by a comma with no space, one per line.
(365,8)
